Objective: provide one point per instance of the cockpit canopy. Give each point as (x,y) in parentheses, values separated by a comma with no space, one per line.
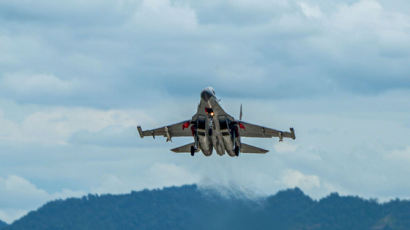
(208,93)
(210,89)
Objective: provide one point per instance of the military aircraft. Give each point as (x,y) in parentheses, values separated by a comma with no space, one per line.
(211,127)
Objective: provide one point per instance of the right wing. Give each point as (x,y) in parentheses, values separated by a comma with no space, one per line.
(181,129)
(184,149)
(251,130)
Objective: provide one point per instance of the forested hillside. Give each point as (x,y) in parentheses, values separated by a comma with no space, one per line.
(189,207)
(2,224)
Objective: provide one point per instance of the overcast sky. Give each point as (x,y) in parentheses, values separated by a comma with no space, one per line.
(77,77)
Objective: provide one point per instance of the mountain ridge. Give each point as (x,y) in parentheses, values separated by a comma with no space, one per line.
(189,207)
(2,224)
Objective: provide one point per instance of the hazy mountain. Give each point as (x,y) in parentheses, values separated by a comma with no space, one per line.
(2,224)
(189,207)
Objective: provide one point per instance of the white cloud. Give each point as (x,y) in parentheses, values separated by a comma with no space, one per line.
(367,20)
(112,184)
(8,215)
(18,196)
(158,175)
(54,126)
(170,174)
(16,190)
(20,187)
(284,147)
(294,178)
(399,154)
(32,84)
(162,16)
(310,11)
(9,128)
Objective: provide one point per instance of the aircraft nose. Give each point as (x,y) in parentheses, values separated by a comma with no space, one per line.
(206,95)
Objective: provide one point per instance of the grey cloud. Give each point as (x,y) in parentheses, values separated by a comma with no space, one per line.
(281,54)
(113,137)
(76,13)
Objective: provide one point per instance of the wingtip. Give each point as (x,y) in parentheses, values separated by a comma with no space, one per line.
(292,131)
(140,131)
(173,150)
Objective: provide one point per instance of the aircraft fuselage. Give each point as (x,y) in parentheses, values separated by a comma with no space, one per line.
(214,130)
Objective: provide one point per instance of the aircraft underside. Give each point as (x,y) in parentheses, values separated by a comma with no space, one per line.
(219,133)
(213,128)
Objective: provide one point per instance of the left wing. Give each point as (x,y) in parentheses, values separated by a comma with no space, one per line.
(251,130)
(245,148)
(181,129)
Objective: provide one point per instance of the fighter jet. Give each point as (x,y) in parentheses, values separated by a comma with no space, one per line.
(213,128)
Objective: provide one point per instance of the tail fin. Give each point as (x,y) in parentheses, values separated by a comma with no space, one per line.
(245,148)
(184,149)
(240,113)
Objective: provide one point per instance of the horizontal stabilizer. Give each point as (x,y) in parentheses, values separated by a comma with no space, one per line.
(184,149)
(245,148)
